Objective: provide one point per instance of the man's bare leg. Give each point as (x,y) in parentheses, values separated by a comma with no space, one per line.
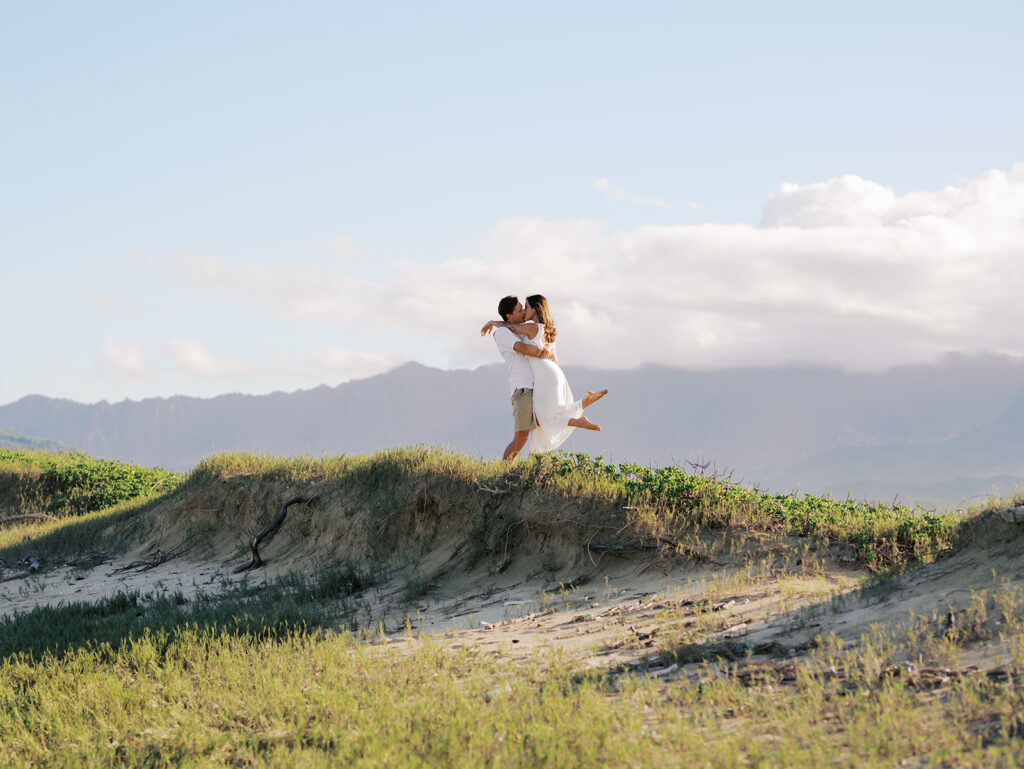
(585,423)
(513,449)
(594,395)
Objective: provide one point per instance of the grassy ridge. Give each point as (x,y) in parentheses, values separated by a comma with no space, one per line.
(663,505)
(658,504)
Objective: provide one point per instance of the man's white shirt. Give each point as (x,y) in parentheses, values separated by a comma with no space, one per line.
(519,372)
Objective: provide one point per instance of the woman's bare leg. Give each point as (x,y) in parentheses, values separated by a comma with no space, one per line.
(594,395)
(583,422)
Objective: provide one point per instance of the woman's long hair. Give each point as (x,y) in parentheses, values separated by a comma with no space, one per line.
(540,306)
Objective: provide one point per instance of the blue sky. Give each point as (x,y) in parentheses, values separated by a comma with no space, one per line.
(201,198)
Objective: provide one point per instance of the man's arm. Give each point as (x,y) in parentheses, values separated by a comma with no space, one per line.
(523,329)
(509,343)
(533,351)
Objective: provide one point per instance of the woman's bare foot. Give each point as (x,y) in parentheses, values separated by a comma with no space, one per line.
(593,396)
(585,423)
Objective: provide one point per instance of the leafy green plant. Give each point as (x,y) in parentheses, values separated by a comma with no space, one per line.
(70,483)
(669,499)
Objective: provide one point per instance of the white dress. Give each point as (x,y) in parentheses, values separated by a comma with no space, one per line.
(553,404)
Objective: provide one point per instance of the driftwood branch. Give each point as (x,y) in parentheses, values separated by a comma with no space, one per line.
(256,561)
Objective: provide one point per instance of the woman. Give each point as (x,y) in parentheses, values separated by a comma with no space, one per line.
(554,409)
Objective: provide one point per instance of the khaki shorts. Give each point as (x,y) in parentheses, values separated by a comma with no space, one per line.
(522,409)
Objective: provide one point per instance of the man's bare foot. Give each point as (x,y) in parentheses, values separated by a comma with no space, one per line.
(585,423)
(593,396)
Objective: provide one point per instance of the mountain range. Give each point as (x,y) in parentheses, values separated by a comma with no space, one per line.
(938,433)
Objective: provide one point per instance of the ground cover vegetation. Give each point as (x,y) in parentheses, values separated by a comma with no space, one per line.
(288,672)
(71,483)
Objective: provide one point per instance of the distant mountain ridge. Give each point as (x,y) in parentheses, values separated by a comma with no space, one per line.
(950,428)
(984,458)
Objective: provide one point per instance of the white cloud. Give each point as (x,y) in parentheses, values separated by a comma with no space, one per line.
(842,202)
(321,362)
(617,193)
(844,272)
(120,360)
(193,358)
(344,364)
(293,289)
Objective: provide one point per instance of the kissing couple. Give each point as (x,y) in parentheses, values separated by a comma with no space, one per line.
(542,404)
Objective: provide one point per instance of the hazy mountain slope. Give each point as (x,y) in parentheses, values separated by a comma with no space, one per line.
(783,427)
(412,404)
(986,458)
(10,440)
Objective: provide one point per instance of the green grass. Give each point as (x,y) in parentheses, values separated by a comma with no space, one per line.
(216,696)
(75,538)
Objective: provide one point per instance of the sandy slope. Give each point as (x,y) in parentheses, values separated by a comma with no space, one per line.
(612,610)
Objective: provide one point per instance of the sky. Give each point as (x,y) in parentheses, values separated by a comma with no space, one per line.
(208,197)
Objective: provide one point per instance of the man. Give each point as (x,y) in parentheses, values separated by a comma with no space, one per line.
(520,375)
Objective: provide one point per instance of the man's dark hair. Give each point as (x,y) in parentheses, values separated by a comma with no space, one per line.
(507,306)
